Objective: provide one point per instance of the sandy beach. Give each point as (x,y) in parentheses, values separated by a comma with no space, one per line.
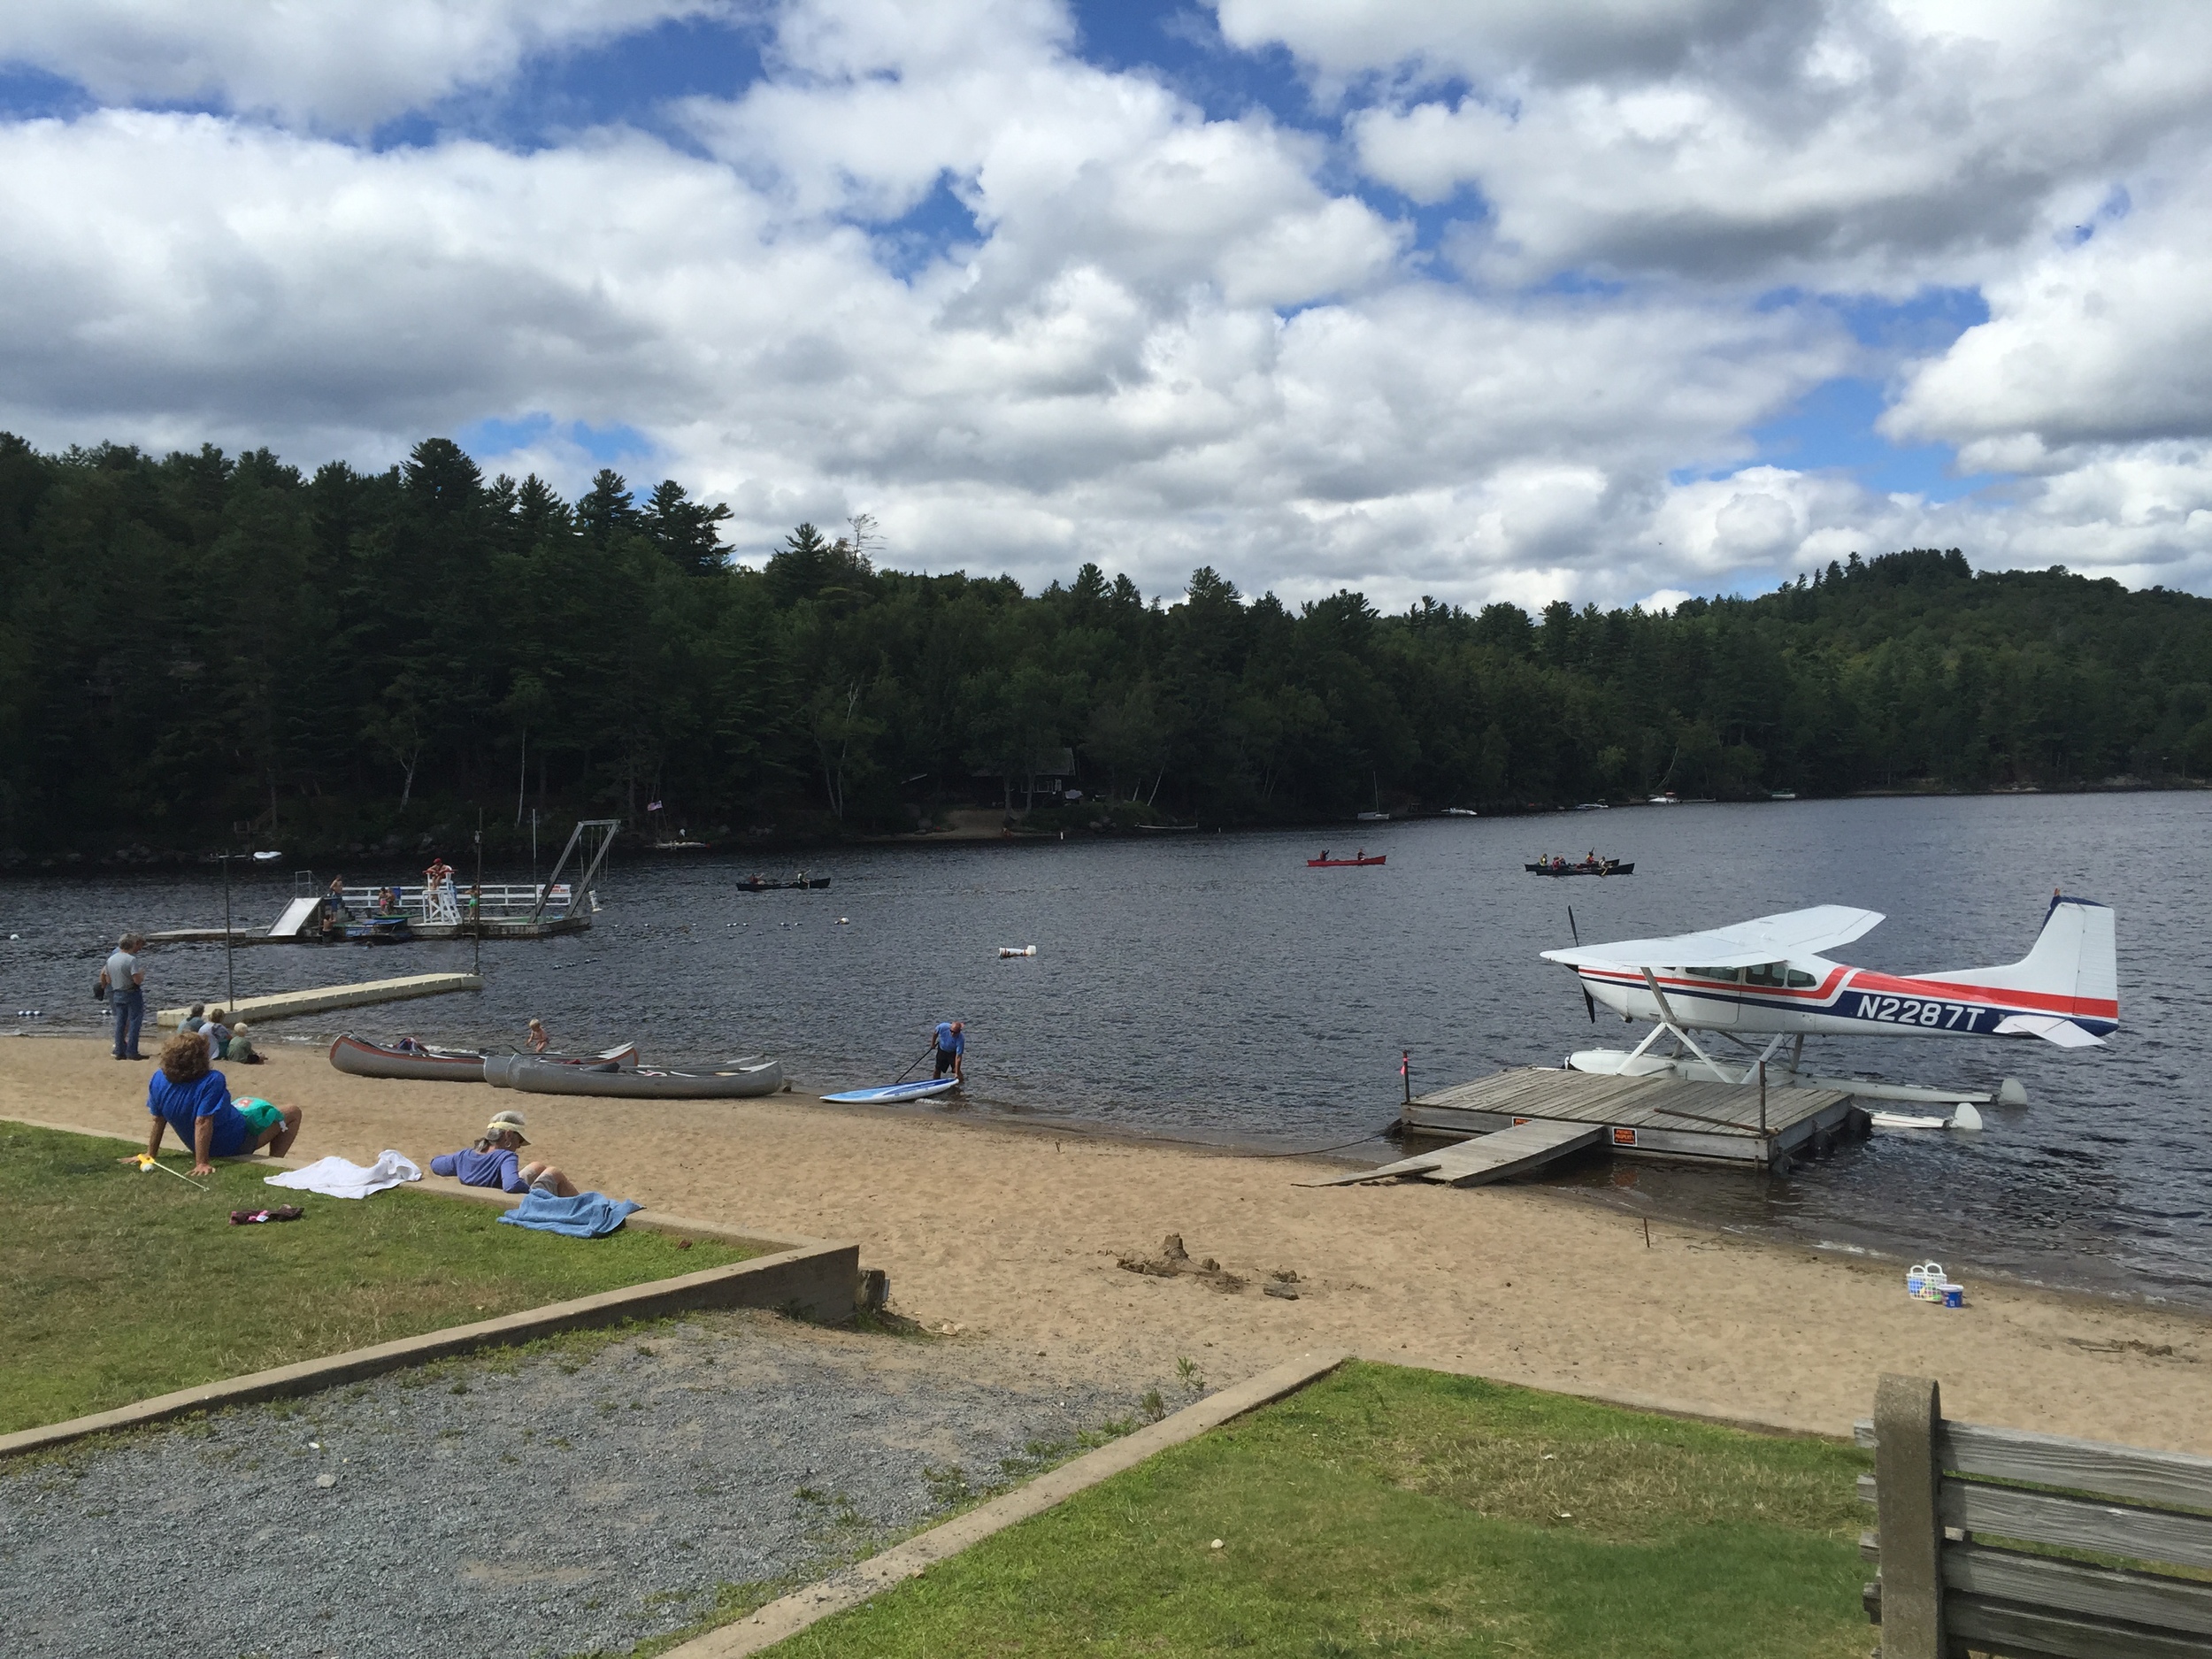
(1012,1236)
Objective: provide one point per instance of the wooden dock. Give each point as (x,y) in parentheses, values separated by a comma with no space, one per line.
(324,998)
(1630,1116)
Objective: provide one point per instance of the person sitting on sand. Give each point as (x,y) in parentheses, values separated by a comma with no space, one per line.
(187,1094)
(195,1017)
(239,1050)
(217,1034)
(492,1162)
(539,1041)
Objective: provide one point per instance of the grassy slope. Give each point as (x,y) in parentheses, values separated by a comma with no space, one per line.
(1391,1511)
(119,1286)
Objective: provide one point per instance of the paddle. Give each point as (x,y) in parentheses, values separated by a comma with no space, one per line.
(916,1061)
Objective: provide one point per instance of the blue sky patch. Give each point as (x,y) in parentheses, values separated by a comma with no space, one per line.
(1832,428)
(492,437)
(940,222)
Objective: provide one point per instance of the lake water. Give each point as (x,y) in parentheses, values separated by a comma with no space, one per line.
(1212,987)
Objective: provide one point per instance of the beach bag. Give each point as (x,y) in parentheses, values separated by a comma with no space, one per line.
(100,988)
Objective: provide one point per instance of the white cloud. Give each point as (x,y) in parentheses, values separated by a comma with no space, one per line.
(1862,144)
(1173,340)
(337,64)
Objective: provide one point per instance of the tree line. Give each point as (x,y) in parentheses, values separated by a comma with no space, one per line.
(198,647)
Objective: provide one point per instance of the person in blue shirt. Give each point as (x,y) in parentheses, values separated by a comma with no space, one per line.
(951,1047)
(492,1161)
(187,1094)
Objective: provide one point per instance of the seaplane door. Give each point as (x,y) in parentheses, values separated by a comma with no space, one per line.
(1704,998)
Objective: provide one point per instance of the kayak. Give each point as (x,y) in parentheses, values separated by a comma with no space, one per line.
(362,1058)
(921,1090)
(1345,863)
(531,1074)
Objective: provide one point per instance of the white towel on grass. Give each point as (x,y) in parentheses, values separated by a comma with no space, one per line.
(335,1178)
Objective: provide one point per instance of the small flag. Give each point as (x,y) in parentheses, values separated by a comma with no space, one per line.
(1405,1062)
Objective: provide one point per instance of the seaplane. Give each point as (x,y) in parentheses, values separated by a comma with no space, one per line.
(1770,977)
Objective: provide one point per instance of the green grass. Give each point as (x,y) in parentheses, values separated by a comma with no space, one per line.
(120,1286)
(1387,1511)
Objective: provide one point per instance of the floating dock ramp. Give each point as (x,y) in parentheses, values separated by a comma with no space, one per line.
(288,1003)
(1522,1120)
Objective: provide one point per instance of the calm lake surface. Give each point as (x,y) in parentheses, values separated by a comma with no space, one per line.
(1211,986)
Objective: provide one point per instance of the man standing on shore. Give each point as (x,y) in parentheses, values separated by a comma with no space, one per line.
(125,982)
(951,1047)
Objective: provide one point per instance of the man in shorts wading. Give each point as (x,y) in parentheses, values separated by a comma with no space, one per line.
(951,1046)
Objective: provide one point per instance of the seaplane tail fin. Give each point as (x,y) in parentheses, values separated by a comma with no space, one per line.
(2074,960)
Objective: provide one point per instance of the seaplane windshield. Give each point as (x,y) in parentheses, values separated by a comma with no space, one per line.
(1727,975)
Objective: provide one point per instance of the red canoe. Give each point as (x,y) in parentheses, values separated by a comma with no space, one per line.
(1344,863)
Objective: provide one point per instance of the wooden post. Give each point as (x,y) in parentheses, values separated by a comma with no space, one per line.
(1907,1411)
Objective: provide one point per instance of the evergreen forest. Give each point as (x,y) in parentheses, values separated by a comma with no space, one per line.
(203,648)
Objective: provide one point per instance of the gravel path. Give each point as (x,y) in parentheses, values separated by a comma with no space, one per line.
(570,1501)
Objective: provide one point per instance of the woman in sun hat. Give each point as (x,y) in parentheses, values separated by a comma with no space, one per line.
(492,1161)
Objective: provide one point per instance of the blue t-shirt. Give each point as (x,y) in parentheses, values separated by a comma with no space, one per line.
(472,1168)
(950,1041)
(208,1095)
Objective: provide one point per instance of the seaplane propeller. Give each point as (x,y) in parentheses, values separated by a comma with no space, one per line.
(1589,1003)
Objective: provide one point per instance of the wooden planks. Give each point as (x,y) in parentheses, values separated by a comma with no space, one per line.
(1633,1101)
(2171,1478)
(1491,1157)
(1527,1145)
(2181,1605)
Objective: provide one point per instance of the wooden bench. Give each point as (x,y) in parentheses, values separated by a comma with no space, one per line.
(1941,1489)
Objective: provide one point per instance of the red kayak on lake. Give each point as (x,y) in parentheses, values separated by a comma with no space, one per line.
(1327,862)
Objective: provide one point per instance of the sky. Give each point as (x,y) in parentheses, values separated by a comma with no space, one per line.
(1613,300)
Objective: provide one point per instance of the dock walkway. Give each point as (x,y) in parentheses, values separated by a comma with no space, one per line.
(1631,1117)
(324,998)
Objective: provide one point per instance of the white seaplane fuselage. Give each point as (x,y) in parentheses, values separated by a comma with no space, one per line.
(1769,978)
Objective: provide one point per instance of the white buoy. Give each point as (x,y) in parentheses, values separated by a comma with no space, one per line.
(2010,1093)
(1017,950)
(1966,1117)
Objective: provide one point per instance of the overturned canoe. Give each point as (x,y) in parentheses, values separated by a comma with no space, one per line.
(362,1058)
(531,1074)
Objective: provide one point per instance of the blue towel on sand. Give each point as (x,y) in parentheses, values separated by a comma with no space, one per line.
(586,1216)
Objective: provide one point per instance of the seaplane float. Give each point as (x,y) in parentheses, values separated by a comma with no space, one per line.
(1770,977)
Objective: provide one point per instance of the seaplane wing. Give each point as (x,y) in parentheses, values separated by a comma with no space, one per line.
(1793,934)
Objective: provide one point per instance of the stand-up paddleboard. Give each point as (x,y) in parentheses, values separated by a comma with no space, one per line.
(921,1090)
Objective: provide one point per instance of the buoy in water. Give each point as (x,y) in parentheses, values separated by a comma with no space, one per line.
(1017,950)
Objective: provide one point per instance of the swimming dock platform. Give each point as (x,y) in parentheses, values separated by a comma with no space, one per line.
(1522,1120)
(286,1004)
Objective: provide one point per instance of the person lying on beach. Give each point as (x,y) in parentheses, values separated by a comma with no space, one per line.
(187,1094)
(492,1162)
